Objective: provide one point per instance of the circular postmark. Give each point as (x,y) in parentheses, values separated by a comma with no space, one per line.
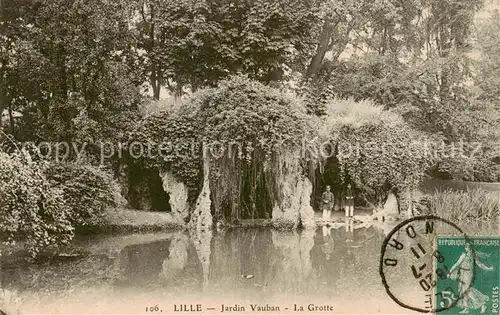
(411,265)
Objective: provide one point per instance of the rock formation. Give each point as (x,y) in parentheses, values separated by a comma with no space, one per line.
(201,219)
(178,195)
(295,207)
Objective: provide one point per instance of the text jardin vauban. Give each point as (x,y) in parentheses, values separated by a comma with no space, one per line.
(253,308)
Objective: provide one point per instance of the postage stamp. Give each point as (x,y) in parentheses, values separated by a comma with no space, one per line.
(468,277)
(409,254)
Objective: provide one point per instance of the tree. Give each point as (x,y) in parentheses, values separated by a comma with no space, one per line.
(484,109)
(195,44)
(413,56)
(488,63)
(71,64)
(13,29)
(339,19)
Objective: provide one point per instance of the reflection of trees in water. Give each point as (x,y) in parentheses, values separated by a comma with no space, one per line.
(142,263)
(351,260)
(241,252)
(362,267)
(295,263)
(282,263)
(287,263)
(278,261)
(306,245)
(293,255)
(29,286)
(171,262)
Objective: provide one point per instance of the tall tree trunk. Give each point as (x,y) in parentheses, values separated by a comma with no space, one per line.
(62,88)
(3,91)
(3,66)
(159,82)
(155,77)
(11,120)
(444,46)
(61,92)
(322,49)
(156,92)
(155,82)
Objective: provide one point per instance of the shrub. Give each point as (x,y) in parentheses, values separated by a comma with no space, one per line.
(472,204)
(31,210)
(87,191)
(376,149)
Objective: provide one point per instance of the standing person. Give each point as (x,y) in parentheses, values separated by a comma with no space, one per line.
(349,202)
(327,203)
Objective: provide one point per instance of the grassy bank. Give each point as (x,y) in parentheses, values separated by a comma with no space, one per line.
(470,204)
(128,220)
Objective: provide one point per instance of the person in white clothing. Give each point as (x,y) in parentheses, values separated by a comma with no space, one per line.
(349,202)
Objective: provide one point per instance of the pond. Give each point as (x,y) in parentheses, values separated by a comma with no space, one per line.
(131,274)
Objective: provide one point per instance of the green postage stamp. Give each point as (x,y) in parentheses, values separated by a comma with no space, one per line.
(468,276)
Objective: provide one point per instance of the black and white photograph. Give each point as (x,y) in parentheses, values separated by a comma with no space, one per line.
(249,157)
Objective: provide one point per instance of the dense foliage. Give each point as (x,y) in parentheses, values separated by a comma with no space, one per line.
(375,148)
(413,56)
(87,191)
(261,130)
(423,60)
(31,210)
(249,130)
(43,202)
(245,128)
(195,44)
(67,66)
(80,71)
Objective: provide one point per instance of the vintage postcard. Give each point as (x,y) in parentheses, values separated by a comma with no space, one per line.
(249,157)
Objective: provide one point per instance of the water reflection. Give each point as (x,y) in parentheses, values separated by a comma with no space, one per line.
(337,263)
(174,264)
(202,241)
(171,262)
(142,263)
